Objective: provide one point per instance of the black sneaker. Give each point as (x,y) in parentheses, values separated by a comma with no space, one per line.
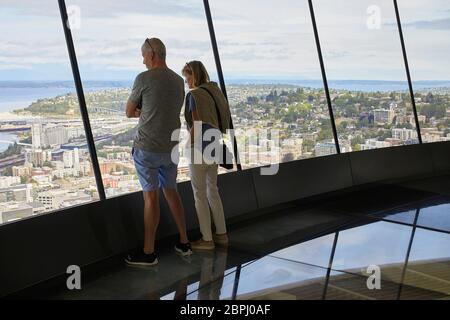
(141,259)
(183,248)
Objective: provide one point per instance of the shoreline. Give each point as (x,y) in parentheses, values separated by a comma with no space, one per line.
(6,137)
(10,116)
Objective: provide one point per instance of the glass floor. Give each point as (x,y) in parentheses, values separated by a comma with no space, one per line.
(350,247)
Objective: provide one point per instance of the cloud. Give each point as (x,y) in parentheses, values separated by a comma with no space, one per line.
(336,54)
(108,8)
(439,24)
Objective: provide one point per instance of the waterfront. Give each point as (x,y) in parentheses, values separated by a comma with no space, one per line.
(7,139)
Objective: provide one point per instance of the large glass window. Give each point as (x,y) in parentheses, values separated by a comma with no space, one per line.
(44,161)
(274,85)
(365,68)
(108,36)
(426,29)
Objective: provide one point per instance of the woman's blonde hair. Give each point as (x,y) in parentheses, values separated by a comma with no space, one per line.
(198,71)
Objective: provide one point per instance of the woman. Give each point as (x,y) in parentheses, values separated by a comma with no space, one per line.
(205,104)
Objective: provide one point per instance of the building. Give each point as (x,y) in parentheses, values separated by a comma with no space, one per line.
(47,135)
(325,149)
(54,135)
(384,116)
(6,182)
(20,192)
(58,155)
(36,134)
(374,144)
(22,171)
(292,146)
(404,134)
(56,199)
(12,211)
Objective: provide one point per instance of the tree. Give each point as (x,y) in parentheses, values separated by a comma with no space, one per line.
(356,141)
(343,125)
(308,145)
(386,134)
(47,164)
(324,134)
(7,171)
(436,110)
(13,149)
(288,157)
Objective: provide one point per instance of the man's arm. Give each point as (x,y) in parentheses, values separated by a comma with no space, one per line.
(132,110)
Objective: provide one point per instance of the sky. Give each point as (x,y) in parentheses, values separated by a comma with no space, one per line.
(257,39)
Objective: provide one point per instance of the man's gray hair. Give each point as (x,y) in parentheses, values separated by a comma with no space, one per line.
(156,45)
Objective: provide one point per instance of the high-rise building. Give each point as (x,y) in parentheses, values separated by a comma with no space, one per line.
(36,135)
(68,159)
(46,135)
(54,135)
(36,157)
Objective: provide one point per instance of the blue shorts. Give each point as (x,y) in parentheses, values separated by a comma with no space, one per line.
(155,170)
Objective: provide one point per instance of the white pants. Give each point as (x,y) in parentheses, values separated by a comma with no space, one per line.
(204,186)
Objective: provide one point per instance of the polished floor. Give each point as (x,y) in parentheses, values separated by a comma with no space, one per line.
(334,249)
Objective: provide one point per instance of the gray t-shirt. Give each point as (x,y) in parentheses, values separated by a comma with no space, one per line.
(160,92)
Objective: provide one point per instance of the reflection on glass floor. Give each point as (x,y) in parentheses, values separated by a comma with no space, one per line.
(330,250)
(413,263)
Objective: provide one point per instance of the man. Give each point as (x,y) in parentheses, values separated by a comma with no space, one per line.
(156,99)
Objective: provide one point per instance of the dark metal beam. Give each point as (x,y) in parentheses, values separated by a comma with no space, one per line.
(81,99)
(408,74)
(405,266)
(237,277)
(324,76)
(215,48)
(330,265)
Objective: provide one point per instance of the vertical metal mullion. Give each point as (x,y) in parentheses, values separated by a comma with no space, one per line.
(330,266)
(408,74)
(215,48)
(81,99)
(324,76)
(405,266)
(237,277)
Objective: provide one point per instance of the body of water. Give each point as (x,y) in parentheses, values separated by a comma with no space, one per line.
(351,85)
(19,95)
(5,139)
(19,98)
